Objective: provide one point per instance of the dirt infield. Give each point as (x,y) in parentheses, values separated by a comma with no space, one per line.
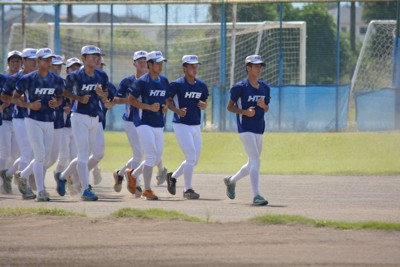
(99,240)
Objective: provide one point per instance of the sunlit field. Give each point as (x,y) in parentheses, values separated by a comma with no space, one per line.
(283,153)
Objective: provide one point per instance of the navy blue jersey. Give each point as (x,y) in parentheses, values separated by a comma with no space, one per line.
(80,84)
(18,112)
(111,93)
(3,80)
(67,117)
(123,92)
(149,91)
(244,95)
(40,88)
(186,95)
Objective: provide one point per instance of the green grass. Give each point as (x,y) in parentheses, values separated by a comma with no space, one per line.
(155,214)
(283,153)
(301,220)
(39,211)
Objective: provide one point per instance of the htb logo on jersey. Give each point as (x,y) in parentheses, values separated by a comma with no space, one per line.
(44,91)
(157,93)
(254,98)
(192,95)
(88,87)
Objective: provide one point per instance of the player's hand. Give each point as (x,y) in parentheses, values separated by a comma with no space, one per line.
(164,108)
(182,112)
(67,109)
(84,99)
(109,104)
(155,107)
(99,90)
(37,105)
(261,104)
(53,103)
(250,112)
(202,105)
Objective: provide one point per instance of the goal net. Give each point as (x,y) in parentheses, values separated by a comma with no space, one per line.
(202,39)
(375,63)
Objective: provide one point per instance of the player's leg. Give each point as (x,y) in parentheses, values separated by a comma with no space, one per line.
(55,148)
(6,133)
(37,133)
(84,129)
(97,154)
(147,136)
(253,147)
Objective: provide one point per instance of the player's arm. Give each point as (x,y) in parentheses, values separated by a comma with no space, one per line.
(133,101)
(261,103)
(120,100)
(82,99)
(231,107)
(180,112)
(20,101)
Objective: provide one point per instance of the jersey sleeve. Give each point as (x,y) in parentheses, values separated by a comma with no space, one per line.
(135,89)
(122,90)
(205,92)
(172,89)
(21,85)
(235,92)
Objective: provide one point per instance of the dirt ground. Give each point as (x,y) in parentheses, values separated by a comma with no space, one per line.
(229,240)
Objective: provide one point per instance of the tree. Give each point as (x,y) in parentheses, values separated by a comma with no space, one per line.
(379,11)
(245,12)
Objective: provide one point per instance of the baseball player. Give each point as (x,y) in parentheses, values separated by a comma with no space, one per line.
(98,150)
(43,93)
(56,67)
(67,142)
(30,64)
(187,97)
(249,100)
(148,95)
(86,86)
(140,64)
(8,143)
(3,80)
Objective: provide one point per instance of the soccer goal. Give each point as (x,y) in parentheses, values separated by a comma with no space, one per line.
(375,62)
(373,94)
(176,40)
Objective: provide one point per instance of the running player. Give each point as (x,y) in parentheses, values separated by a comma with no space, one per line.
(133,184)
(149,94)
(8,143)
(87,86)
(56,67)
(249,100)
(187,97)
(43,92)
(69,151)
(30,64)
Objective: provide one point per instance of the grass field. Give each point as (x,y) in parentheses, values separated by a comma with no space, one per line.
(283,153)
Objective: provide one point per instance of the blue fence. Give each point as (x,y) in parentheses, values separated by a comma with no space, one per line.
(376,110)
